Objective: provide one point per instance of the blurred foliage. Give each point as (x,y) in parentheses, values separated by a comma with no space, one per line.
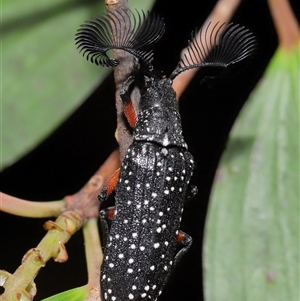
(44,78)
(75,294)
(252,232)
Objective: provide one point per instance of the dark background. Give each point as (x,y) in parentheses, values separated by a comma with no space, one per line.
(65,161)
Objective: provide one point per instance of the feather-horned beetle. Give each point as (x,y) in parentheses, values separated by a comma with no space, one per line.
(154,177)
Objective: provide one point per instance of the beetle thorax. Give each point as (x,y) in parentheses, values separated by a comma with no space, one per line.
(159,120)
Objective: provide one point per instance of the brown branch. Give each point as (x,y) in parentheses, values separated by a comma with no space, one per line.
(121,72)
(286,24)
(85,201)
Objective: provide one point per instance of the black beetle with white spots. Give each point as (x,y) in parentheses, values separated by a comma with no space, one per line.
(142,244)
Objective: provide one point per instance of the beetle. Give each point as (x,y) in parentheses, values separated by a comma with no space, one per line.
(154,179)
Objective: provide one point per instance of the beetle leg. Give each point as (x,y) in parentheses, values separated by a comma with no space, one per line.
(127,103)
(106,215)
(109,186)
(186,241)
(191,191)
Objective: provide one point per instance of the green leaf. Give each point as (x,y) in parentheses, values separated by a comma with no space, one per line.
(75,294)
(44,78)
(251,248)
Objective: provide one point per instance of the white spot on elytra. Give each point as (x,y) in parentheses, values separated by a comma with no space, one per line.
(147,288)
(158,230)
(144,221)
(130,296)
(134,235)
(166,191)
(121,256)
(160,213)
(111,265)
(132,246)
(154,194)
(152,268)
(143,295)
(152,208)
(168,178)
(130,271)
(134,287)
(146,202)
(142,248)
(131,260)
(156,245)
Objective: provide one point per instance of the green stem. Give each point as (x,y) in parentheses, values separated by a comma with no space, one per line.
(93,251)
(16,206)
(52,245)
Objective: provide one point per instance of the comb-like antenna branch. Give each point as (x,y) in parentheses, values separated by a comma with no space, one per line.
(228,47)
(94,38)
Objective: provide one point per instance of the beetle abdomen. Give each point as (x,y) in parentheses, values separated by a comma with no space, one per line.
(142,241)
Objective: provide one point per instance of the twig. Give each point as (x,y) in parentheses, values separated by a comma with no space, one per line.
(286,24)
(85,201)
(121,72)
(16,206)
(94,256)
(52,245)
(78,208)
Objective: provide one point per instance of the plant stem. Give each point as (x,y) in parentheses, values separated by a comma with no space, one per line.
(16,206)
(52,245)
(286,24)
(93,252)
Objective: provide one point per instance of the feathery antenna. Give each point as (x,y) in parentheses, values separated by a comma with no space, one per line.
(219,48)
(94,38)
